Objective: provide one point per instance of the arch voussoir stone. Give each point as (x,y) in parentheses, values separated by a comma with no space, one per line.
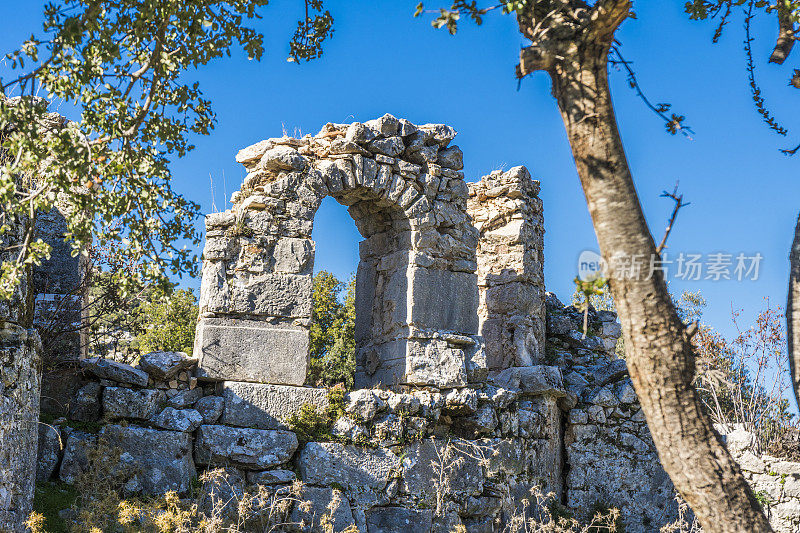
(417,290)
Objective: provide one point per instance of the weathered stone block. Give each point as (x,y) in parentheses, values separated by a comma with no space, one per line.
(398,520)
(434,362)
(293,255)
(119,402)
(326,503)
(442,300)
(210,408)
(248,350)
(165,365)
(115,371)
(466,477)
(533,380)
(264,406)
(85,407)
(156,461)
(251,449)
(76,455)
(178,419)
(49,452)
(185,398)
(274,295)
(356,469)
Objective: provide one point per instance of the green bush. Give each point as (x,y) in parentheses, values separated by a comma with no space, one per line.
(333,344)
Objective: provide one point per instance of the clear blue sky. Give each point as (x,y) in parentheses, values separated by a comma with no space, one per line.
(744,193)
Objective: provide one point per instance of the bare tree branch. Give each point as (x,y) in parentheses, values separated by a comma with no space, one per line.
(679,203)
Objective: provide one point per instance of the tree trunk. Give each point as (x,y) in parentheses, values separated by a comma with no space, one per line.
(793,312)
(659,353)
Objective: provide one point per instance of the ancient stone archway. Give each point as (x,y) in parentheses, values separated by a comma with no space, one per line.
(417,294)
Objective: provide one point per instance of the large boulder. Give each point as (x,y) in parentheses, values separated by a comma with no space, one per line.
(251,449)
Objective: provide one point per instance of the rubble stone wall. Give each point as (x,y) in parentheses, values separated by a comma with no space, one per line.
(471,451)
(776,481)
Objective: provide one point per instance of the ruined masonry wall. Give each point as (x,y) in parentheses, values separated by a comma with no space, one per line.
(506,210)
(417,292)
(20,351)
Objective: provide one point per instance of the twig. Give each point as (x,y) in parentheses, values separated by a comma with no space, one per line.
(674,122)
(679,203)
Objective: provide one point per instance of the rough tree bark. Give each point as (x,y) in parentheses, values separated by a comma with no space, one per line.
(793,312)
(571,41)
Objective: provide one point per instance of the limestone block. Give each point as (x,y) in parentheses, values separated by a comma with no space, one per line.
(119,402)
(157,461)
(435,362)
(178,419)
(115,371)
(275,295)
(465,478)
(532,380)
(271,477)
(364,404)
(398,520)
(435,299)
(251,449)
(165,365)
(354,468)
(388,125)
(247,350)
(451,158)
(185,398)
(76,459)
(85,407)
(393,146)
(49,452)
(264,406)
(294,255)
(283,158)
(325,502)
(210,408)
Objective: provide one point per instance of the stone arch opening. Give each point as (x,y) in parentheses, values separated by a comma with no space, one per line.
(416,286)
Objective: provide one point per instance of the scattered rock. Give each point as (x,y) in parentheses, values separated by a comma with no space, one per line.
(115,371)
(165,365)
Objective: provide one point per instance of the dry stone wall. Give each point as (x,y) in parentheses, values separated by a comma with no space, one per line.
(471,452)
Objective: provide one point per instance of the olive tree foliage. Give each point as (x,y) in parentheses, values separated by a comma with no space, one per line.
(123,67)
